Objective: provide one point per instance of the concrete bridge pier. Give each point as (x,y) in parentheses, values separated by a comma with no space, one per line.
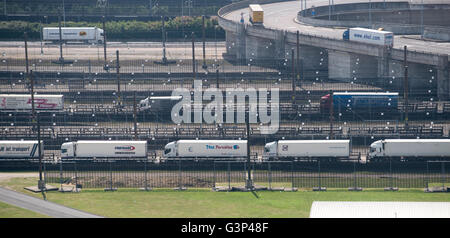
(383,67)
(349,67)
(259,51)
(241,44)
(280,50)
(313,61)
(231,46)
(422,79)
(443,80)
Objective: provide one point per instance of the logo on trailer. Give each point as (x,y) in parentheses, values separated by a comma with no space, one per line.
(285,148)
(222,147)
(83,33)
(42,103)
(125,147)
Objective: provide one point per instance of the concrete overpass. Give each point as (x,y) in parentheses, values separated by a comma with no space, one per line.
(322,48)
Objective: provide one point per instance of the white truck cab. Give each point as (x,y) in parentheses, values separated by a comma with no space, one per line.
(376,149)
(67,150)
(170,150)
(270,149)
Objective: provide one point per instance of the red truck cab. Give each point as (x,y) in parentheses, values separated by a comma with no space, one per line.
(325,103)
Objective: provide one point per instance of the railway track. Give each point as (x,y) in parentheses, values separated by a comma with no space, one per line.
(288,112)
(163,134)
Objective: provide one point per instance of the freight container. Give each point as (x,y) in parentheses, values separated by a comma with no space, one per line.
(83,34)
(20,149)
(307,149)
(104,149)
(206,149)
(359,101)
(410,148)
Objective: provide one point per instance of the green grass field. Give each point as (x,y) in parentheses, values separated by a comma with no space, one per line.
(8,211)
(205,203)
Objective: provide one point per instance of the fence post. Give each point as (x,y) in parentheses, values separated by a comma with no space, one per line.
(179,173)
(214,176)
(76,177)
(60,174)
(390,172)
(292,175)
(229,176)
(270,175)
(354,175)
(320,186)
(428,178)
(442,175)
(110,176)
(145,173)
(45,173)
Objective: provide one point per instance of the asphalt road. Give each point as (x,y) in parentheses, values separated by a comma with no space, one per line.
(40,206)
(127,50)
(282,16)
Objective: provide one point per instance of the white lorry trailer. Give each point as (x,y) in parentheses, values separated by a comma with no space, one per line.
(291,149)
(16,149)
(83,34)
(410,148)
(206,149)
(90,149)
(369,36)
(23,102)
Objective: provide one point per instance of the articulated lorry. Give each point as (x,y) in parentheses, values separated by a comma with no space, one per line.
(369,36)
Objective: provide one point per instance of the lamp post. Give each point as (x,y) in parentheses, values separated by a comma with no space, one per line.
(421,21)
(249,183)
(405,86)
(204,66)
(41,182)
(370,14)
(105,67)
(40,35)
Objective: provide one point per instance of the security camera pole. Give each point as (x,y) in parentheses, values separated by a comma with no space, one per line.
(204,66)
(193,56)
(406,86)
(61,59)
(105,67)
(41,182)
(119,100)
(164,39)
(25,36)
(135,116)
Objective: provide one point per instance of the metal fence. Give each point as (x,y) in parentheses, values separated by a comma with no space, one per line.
(231,174)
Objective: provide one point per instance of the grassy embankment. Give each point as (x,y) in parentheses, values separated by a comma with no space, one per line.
(204,203)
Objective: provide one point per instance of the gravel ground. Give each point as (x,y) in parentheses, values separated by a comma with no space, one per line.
(6,176)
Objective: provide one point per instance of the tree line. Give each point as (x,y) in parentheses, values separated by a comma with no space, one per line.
(176,28)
